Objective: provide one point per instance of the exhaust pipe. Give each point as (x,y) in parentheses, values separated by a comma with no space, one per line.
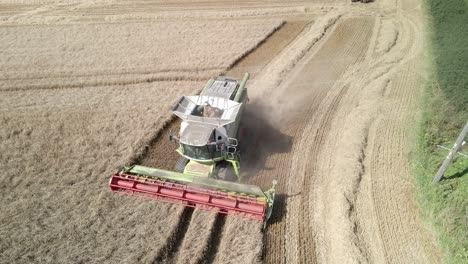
(242,88)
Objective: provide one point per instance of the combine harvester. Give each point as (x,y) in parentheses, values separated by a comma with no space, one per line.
(208,172)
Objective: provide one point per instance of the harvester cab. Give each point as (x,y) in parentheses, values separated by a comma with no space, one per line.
(207,139)
(207,173)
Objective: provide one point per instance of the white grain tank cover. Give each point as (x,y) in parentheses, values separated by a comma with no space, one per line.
(186,105)
(195,134)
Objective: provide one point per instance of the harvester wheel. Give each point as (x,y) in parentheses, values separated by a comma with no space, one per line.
(180,164)
(225,171)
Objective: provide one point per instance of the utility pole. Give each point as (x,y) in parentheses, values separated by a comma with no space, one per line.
(449,158)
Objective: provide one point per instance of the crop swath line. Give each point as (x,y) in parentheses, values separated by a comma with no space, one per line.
(168,252)
(209,254)
(76,73)
(101,83)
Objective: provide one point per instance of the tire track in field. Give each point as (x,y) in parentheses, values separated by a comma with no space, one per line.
(167,253)
(77,73)
(382,220)
(355,39)
(292,239)
(241,241)
(329,193)
(389,179)
(195,248)
(367,210)
(209,255)
(75,83)
(352,232)
(366,213)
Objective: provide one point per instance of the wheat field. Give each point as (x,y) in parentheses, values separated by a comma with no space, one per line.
(79,101)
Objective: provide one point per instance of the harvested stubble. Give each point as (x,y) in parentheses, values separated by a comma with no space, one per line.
(199,238)
(240,241)
(68,120)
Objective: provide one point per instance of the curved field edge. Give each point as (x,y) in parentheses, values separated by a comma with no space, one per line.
(445,113)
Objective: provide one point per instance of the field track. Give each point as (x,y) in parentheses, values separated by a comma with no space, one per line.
(333,99)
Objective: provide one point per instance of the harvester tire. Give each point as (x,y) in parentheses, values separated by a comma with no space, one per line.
(180,164)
